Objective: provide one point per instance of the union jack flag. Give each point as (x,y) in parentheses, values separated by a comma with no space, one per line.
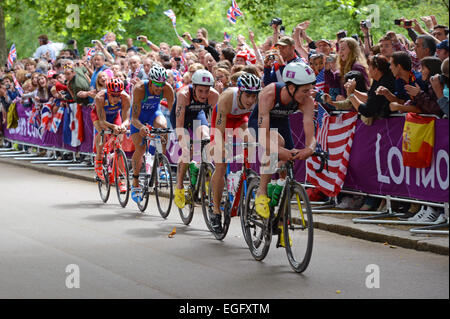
(17,85)
(233,12)
(56,120)
(12,56)
(226,37)
(46,117)
(172,16)
(90,53)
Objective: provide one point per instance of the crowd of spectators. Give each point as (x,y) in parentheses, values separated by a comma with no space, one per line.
(395,74)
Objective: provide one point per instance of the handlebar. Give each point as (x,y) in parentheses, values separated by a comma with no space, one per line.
(324,156)
(103,132)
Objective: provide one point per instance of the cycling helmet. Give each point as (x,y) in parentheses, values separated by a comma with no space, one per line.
(203,77)
(249,83)
(158,74)
(298,73)
(114,85)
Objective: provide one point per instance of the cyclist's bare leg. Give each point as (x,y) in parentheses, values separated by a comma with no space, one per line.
(98,142)
(136,159)
(161,122)
(217,183)
(265,178)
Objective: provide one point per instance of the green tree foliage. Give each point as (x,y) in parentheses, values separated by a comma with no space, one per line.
(26,19)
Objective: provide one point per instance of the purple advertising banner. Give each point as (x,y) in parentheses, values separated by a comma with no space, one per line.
(26,132)
(376,163)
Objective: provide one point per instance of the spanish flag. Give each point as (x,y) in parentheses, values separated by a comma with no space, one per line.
(418,141)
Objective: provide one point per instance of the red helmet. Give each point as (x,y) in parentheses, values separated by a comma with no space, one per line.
(114,85)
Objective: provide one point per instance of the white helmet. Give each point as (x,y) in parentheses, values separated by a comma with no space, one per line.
(203,77)
(298,73)
(158,74)
(249,83)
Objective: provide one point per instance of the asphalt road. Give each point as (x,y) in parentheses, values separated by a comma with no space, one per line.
(53,229)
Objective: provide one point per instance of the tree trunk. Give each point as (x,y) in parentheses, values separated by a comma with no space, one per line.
(3,49)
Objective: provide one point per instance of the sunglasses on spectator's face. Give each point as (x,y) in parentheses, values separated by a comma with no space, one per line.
(68,66)
(159,85)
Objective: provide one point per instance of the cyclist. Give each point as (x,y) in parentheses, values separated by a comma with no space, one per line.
(146,109)
(109,105)
(276,102)
(192,103)
(233,111)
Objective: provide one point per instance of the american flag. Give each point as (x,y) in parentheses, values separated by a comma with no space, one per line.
(172,16)
(322,121)
(233,12)
(226,37)
(337,139)
(90,53)
(12,56)
(320,81)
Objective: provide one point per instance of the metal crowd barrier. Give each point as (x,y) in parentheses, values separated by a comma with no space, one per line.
(387,216)
(71,164)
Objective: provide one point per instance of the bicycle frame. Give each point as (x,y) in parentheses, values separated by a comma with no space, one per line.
(112,144)
(242,182)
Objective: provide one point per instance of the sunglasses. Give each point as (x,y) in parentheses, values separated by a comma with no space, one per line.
(115,94)
(68,66)
(158,84)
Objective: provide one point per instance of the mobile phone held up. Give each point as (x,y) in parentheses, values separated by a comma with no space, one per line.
(195,40)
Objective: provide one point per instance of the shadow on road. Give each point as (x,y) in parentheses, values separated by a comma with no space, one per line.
(83,205)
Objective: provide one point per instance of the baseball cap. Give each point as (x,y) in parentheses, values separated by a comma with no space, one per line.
(285,41)
(443,45)
(323,40)
(51,74)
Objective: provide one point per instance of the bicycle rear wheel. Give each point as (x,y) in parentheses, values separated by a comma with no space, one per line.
(104,186)
(122,177)
(187,212)
(256,230)
(299,228)
(163,185)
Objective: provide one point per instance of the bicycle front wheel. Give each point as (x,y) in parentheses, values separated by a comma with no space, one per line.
(163,185)
(122,178)
(256,230)
(104,186)
(299,228)
(187,212)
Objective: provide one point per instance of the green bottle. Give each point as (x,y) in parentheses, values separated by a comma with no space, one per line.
(278,188)
(194,172)
(270,188)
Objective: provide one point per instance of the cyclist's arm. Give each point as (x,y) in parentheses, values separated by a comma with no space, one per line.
(265,104)
(168,94)
(182,101)
(125,109)
(223,109)
(212,99)
(100,108)
(138,96)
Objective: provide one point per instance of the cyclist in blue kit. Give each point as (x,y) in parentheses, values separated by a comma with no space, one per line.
(146,109)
